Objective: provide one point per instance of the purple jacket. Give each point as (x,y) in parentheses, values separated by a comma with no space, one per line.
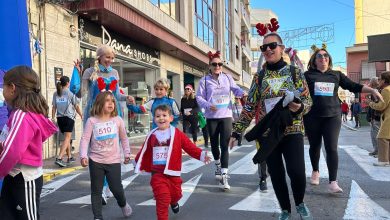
(22,139)
(217,92)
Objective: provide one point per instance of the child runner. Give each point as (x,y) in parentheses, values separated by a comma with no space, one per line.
(102,133)
(161,155)
(161,88)
(21,144)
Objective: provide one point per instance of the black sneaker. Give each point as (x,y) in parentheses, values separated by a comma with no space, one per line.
(175,208)
(71,160)
(60,163)
(373,153)
(263,185)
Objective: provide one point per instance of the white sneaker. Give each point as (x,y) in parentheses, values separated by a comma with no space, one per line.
(224,181)
(127,210)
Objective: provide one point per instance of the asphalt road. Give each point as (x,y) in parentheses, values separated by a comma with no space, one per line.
(366,190)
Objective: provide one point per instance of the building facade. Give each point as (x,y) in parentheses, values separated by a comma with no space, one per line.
(152,39)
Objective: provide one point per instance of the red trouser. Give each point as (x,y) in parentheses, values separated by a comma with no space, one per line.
(166,190)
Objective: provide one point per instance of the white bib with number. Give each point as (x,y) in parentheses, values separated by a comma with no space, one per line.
(160,155)
(220,101)
(61,100)
(270,103)
(323,89)
(104,130)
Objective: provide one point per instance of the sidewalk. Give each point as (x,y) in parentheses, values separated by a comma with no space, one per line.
(52,170)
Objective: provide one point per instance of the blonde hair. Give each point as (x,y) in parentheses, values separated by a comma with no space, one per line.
(101,51)
(98,105)
(163,82)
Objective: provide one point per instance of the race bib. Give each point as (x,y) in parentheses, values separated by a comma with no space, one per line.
(323,89)
(61,100)
(220,101)
(4,133)
(160,155)
(105,130)
(270,103)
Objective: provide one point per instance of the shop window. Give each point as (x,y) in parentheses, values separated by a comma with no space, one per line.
(168,6)
(204,20)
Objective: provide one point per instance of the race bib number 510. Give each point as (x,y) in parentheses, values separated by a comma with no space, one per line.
(104,130)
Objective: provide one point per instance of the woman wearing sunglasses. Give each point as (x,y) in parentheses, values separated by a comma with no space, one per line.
(324,118)
(214,96)
(269,85)
(189,110)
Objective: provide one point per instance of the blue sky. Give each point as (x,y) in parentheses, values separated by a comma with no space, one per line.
(295,14)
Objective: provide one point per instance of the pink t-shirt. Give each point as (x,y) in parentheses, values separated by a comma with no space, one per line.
(103,137)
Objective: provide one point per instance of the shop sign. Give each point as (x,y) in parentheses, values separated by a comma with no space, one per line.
(91,33)
(192,70)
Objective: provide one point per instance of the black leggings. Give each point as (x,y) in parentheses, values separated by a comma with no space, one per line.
(291,148)
(220,130)
(205,133)
(97,172)
(329,129)
(190,124)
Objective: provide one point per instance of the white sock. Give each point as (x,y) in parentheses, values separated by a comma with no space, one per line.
(217,162)
(224,170)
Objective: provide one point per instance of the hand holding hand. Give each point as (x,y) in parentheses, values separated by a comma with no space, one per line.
(130,100)
(84,162)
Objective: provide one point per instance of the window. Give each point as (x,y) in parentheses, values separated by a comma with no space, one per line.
(167,6)
(228,31)
(204,21)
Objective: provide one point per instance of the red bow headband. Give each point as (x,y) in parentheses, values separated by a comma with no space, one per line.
(102,85)
(273,26)
(212,55)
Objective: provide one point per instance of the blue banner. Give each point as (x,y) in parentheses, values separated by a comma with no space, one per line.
(14,38)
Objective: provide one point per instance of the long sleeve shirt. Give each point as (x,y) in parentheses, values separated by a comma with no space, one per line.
(323,89)
(262,95)
(103,137)
(216,92)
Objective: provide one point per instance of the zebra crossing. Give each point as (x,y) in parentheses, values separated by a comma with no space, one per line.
(198,182)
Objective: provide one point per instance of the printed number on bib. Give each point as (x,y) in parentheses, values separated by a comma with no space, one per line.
(104,130)
(323,89)
(160,155)
(61,100)
(220,101)
(270,103)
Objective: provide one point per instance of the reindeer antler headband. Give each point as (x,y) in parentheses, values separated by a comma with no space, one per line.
(273,26)
(314,48)
(212,55)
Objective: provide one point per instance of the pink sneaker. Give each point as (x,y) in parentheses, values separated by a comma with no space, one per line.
(126,210)
(315,178)
(333,187)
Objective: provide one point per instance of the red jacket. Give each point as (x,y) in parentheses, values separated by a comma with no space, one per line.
(179,142)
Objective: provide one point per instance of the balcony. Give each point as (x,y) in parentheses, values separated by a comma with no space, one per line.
(245,19)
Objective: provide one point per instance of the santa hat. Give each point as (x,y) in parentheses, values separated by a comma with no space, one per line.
(189,86)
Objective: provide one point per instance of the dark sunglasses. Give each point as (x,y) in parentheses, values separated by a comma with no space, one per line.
(215,64)
(271,46)
(320,56)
